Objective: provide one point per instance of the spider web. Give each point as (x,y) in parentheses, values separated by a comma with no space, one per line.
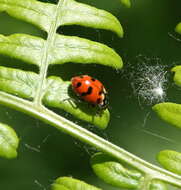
(149,80)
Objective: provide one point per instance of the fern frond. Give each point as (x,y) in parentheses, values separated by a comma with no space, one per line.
(30,92)
(56,49)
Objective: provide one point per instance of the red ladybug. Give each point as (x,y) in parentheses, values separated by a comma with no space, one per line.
(90,90)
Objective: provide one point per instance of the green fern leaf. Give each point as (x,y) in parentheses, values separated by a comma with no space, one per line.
(112,172)
(171,160)
(65,49)
(8,142)
(56,49)
(178,28)
(68,183)
(23,47)
(127,3)
(158,185)
(171,112)
(32,11)
(177,75)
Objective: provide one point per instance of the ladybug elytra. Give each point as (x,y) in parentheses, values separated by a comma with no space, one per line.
(90,90)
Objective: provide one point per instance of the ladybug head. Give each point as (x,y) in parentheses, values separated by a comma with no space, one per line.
(104,104)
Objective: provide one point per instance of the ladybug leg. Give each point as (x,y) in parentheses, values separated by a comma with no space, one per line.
(91,106)
(98,111)
(71,101)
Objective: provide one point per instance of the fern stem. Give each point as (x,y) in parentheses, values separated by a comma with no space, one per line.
(44,61)
(88,137)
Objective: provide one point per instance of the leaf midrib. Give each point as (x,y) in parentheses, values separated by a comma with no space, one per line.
(44,61)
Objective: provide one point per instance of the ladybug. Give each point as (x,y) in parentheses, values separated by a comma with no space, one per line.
(90,90)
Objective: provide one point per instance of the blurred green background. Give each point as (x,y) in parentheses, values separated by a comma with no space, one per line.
(46,153)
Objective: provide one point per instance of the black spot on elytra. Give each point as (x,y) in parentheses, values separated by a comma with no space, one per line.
(98,100)
(83,94)
(78,84)
(93,79)
(89,91)
(100,92)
